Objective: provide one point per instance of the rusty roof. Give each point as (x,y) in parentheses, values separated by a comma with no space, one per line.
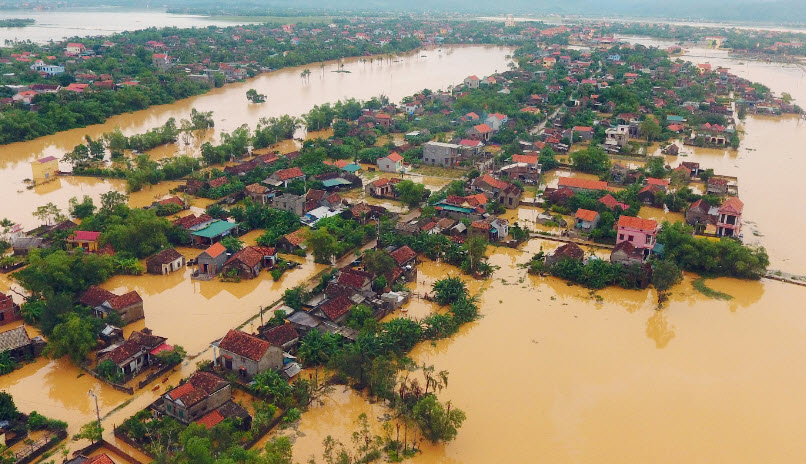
(646,225)
(125,300)
(280,335)
(95,296)
(243,344)
(336,307)
(403,255)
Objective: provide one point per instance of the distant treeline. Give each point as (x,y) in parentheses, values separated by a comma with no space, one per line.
(16,22)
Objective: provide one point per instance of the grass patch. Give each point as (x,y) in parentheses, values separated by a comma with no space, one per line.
(701,287)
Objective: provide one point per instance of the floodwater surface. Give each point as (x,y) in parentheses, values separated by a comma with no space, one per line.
(287,94)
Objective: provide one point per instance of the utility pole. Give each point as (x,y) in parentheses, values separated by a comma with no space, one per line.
(97,410)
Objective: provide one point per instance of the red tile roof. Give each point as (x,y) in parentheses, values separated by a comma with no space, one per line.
(586,215)
(211,419)
(380,182)
(99,459)
(243,344)
(352,280)
(403,255)
(200,385)
(218,182)
(732,205)
(215,250)
(655,181)
(280,335)
(95,296)
(296,238)
(483,128)
(646,225)
(336,307)
(529,159)
(493,182)
(610,201)
(394,157)
(290,173)
(85,236)
(125,300)
(172,200)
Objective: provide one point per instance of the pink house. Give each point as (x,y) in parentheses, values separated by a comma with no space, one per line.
(641,233)
(729,221)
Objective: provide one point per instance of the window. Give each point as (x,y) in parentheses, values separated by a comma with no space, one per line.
(169,408)
(181,413)
(630,238)
(621,236)
(649,240)
(2,316)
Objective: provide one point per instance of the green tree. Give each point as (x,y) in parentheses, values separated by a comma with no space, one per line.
(232,244)
(665,274)
(592,159)
(8,410)
(91,431)
(75,337)
(410,193)
(82,210)
(437,423)
(650,129)
(449,289)
(322,244)
(476,247)
(378,262)
(111,199)
(295,297)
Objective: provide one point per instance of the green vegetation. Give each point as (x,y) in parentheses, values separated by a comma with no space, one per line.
(700,284)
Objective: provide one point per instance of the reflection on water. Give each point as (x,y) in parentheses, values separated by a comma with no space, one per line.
(562,377)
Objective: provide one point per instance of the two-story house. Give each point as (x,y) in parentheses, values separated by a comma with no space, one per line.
(729,219)
(641,233)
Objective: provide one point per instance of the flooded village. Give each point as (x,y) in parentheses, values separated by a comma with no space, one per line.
(585,232)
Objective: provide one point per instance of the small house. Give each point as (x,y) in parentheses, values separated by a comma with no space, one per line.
(568,251)
(246,354)
(202,393)
(136,353)
(17,343)
(9,311)
(626,254)
(258,193)
(211,261)
(639,232)
(248,262)
(84,239)
(213,232)
(285,176)
(128,306)
(165,262)
(335,310)
(283,336)
(586,219)
(729,222)
(44,170)
(292,242)
(393,162)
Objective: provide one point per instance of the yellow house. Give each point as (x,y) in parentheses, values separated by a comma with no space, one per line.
(45,169)
(86,240)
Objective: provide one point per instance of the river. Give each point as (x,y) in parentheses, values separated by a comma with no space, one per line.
(65,23)
(287,93)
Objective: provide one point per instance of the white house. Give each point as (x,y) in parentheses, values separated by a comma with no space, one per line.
(391,163)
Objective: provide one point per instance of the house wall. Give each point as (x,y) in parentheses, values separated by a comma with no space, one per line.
(640,239)
(214,265)
(386,165)
(272,359)
(44,172)
(132,313)
(439,155)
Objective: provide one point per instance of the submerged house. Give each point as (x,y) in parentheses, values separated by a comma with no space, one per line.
(202,393)
(211,261)
(128,306)
(9,311)
(165,262)
(246,354)
(136,353)
(248,262)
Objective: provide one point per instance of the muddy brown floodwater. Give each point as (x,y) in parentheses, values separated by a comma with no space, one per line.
(551,373)
(287,94)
